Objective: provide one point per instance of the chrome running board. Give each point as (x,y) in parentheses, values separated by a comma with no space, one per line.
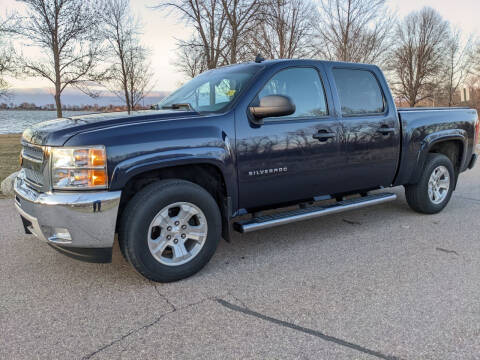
(267,221)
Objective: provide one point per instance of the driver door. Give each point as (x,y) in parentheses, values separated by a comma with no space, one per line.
(294,157)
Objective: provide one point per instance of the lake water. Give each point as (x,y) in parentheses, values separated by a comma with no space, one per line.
(15,121)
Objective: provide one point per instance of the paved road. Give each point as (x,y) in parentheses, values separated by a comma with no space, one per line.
(382,282)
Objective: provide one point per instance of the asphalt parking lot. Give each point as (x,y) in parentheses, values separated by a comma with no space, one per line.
(380,282)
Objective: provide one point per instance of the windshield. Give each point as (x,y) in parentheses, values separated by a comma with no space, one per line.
(211,91)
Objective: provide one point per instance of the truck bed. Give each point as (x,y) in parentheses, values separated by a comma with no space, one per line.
(422,127)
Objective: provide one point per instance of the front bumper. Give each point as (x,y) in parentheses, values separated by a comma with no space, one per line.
(80,224)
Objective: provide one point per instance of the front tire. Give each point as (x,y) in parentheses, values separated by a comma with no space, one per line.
(170,230)
(434,189)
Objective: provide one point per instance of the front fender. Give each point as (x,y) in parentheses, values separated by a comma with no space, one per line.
(127,169)
(137,147)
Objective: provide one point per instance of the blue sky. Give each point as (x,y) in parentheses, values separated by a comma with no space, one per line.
(162,28)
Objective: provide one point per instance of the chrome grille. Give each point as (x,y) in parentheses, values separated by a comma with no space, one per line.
(33,164)
(34,177)
(33,152)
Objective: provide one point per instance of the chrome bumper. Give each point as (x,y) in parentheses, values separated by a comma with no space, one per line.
(79,219)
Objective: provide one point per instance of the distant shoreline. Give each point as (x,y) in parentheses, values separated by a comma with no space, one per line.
(15,121)
(20,109)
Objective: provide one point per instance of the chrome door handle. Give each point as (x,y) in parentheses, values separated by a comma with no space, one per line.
(386,130)
(324,136)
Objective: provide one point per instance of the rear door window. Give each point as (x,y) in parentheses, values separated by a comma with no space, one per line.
(359,92)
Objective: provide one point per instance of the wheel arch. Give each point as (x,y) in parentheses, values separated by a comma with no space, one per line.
(450,144)
(207,174)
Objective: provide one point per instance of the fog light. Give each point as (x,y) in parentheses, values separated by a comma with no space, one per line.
(60,236)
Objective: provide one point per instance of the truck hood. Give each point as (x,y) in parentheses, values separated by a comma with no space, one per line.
(57,132)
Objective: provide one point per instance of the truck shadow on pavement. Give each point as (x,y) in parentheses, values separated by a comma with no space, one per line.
(329,229)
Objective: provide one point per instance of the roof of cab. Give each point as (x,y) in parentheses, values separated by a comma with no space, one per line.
(310,61)
(276,62)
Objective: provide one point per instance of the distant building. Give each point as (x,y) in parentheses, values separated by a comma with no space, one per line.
(465,94)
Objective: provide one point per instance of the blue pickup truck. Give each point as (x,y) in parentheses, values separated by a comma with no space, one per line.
(297,139)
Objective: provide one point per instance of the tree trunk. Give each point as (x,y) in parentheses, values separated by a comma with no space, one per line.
(127,96)
(233,54)
(58,103)
(58,85)
(125,78)
(58,75)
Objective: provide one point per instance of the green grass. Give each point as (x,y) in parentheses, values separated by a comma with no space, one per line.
(9,155)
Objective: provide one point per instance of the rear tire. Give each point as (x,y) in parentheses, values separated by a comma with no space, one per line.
(170,230)
(434,189)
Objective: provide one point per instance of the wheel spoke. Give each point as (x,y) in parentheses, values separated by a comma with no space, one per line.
(186,213)
(197,233)
(180,252)
(162,219)
(444,183)
(158,247)
(198,237)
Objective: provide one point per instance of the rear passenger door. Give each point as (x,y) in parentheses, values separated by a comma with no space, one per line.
(369,128)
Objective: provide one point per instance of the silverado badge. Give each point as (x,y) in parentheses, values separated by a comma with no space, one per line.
(268,171)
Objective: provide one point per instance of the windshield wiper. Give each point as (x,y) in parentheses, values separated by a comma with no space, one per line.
(179,106)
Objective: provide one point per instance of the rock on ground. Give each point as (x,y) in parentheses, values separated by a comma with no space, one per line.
(7,184)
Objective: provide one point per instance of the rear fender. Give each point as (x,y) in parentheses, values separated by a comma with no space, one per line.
(433,139)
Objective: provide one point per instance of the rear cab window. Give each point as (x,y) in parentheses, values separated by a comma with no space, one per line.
(359,92)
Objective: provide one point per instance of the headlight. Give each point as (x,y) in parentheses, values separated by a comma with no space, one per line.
(79,168)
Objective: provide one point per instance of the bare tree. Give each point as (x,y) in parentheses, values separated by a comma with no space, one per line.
(191,58)
(416,59)
(209,20)
(222,32)
(354,30)
(475,59)
(139,74)
(5,66)
(285,30)
(66,32)
(6,59)
(457,64)
(125,76)
(242,17)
